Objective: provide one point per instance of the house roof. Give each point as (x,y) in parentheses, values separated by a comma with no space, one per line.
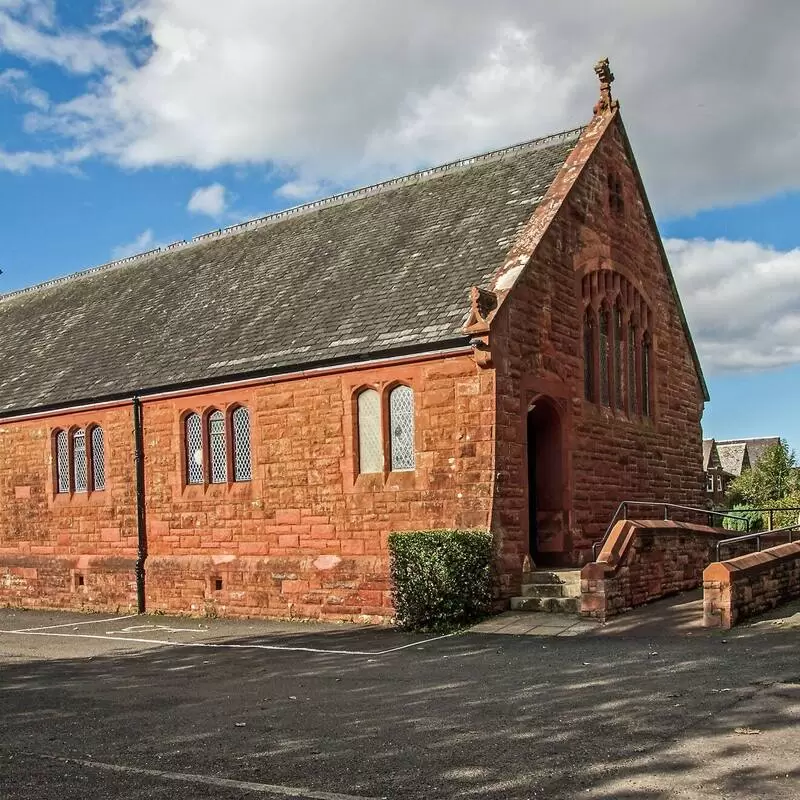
(733,457)
(755,447)
(708,452)
(378,271)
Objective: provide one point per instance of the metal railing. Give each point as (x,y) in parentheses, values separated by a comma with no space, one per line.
(771,512)
(622,513)
(756,537)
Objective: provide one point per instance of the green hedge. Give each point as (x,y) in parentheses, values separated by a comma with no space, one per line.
(440,579)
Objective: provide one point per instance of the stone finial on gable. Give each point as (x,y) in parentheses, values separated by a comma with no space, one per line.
(606,76)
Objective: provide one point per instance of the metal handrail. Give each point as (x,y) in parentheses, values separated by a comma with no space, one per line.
(772,511)
(790,529)
(623,507)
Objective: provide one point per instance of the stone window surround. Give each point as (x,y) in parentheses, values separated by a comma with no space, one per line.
(228,411)
(91,489)
(384,391)
(609,290)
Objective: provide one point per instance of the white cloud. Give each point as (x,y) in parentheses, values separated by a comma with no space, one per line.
(208,200)
(299,190)
(16,83)
(144,242)
(742,301)
(346,92)
(26,31)
(23,161)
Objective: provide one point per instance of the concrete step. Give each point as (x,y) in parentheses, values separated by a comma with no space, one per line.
(561,605)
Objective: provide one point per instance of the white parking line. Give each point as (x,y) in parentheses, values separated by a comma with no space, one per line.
(229,646)
(212,780)
(73,624)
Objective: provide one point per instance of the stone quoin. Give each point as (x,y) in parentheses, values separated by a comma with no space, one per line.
(233,425)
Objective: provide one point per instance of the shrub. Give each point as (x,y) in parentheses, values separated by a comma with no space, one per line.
(440,579)
(756,520)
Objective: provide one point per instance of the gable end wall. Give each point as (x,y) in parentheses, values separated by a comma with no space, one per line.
(538,350)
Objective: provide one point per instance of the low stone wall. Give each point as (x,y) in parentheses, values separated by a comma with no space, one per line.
(750,584)
(643,561)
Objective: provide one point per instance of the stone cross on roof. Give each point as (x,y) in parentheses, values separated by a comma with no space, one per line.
(606,76)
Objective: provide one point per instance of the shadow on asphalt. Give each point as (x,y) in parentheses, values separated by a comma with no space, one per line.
(467,716)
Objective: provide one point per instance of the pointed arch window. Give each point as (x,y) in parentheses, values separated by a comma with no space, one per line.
(98,452)
(604,356)
(588,355)
(370,435)
(62,462)
(242,456)
(646,375)
(79,463)
(217,447)
(193,439)
(401,427)
(619,364)
(633,394)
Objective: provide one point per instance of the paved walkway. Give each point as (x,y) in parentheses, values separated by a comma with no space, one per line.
(681,615)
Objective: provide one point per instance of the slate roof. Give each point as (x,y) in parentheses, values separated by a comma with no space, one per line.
(755,447)
(381,270)
(733,457)
(708,452)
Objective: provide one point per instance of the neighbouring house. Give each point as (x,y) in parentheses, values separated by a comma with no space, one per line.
(726,459)
(236,423)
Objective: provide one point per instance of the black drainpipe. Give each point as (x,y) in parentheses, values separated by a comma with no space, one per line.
(141,520)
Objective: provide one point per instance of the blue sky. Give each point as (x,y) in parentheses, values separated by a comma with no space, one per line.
(129,124)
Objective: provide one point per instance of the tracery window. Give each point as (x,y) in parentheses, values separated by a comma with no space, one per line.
(618,352)
(79,457)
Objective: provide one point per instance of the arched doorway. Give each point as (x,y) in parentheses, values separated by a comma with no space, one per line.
(545,482)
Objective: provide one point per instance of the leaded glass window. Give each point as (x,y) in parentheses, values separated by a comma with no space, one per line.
(370,435)
(217,447)
(62,461)
(646,376)
(242,466)
(588,356)
(194,449)
(604,355)
(98,460)
(633,398)
(401,427)
(79,466)
(619,365)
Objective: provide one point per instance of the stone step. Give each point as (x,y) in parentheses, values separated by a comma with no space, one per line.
(566,576)
(561,605)
(543,590)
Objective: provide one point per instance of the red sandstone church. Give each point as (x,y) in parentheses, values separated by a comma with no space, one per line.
(237,422)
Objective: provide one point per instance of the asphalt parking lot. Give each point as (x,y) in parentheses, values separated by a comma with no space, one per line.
(159,707)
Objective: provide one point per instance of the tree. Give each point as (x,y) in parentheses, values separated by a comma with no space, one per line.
(773,478)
